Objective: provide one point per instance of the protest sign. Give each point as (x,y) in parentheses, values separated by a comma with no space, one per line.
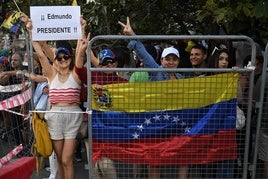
(55,22)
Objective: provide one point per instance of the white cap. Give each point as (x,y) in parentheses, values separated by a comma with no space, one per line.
(170,50)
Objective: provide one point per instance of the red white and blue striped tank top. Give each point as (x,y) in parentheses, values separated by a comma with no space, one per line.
(67,92)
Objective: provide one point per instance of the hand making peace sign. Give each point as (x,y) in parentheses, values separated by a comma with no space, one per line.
(127,27)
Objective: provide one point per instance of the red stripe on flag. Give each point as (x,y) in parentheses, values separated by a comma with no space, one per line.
(175,150)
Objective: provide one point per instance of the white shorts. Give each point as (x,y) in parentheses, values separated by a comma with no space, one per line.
(64,125)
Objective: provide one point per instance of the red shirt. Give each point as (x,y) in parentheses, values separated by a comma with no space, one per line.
(99,78)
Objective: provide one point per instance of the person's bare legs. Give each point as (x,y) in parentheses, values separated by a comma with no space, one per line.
(86,145)
(153,172)
(67,158)
(58,146)
(183,171)
(64,150)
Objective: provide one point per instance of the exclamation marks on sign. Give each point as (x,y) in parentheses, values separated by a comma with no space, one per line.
(42,17)
(75,29)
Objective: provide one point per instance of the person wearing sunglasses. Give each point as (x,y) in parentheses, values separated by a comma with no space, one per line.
(64,95)
(106,59)
(170,58)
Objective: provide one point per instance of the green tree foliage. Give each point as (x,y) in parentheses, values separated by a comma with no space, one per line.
(25,4)
(147,16)
(246,17)
(154,17)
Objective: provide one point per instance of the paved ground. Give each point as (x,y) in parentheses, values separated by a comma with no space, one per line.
(81,173)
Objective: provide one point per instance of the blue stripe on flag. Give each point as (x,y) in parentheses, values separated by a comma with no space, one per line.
(120,126)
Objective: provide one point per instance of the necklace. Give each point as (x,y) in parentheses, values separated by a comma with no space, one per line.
(64,74)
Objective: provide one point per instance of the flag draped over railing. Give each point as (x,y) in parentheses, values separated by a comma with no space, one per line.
(187,121)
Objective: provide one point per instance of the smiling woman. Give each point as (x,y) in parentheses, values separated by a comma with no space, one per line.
(64,95)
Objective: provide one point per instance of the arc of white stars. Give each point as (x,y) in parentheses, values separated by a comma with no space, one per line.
(148,121)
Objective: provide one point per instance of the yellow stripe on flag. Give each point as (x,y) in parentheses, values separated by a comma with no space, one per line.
(169,95)
(11,20)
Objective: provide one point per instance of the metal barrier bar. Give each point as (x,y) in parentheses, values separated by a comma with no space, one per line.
(166,37)
(259,117)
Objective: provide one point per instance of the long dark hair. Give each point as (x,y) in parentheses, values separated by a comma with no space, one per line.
(213,60)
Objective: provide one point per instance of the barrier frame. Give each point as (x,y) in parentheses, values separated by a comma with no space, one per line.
(259,115)
(172,37)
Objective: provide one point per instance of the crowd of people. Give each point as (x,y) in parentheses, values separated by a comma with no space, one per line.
(59,75)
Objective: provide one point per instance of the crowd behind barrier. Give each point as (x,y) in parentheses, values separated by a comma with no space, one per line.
(139,128)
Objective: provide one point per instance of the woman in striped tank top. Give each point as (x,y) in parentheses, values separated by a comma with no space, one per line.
(64,96)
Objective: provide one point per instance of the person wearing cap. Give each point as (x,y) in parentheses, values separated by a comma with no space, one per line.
(170,58)
(64,95)
(106,59)
(143,76)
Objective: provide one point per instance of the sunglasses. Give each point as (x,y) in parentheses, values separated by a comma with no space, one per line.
(65,57)
(105,63)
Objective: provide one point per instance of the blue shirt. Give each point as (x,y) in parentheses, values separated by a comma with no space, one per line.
(40,99)
(149,62)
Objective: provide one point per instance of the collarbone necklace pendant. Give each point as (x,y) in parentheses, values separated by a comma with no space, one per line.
(62,75)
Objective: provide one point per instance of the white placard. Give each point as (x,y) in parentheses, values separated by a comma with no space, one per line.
(55,23)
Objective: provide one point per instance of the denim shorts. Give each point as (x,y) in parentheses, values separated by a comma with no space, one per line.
(64,125)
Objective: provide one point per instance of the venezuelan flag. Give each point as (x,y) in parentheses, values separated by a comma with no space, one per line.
(12,21)
(187,121)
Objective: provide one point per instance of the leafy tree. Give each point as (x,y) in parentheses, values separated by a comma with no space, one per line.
(147,16)
(154,17)
(246,17)
(25,4)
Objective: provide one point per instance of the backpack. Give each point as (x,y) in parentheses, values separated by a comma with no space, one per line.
(42,145)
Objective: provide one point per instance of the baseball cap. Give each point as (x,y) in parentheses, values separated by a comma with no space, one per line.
(106,53)
(62,49)
(170,50)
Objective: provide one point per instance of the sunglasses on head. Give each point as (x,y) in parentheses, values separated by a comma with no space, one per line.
(65,57)
(106,62)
